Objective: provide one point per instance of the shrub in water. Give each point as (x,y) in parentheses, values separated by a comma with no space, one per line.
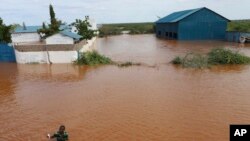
(194,61)
(214,57)
(177,60)
(226,56)
(93,58)
(127,64)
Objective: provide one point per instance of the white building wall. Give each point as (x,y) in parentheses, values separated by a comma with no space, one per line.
(55,57)
(89,46)
(25,37)
(59,39)
(31,57)
(93,24)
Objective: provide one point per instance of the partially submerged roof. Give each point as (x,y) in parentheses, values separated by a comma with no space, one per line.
(180,15)
(71,34)
(27,29)
(65,30)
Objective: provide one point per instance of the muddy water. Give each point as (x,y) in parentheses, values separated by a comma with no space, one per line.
(139,103)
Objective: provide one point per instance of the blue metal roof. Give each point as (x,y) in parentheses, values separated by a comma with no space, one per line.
(64,26)
(65,30)
(71,34)
(29,29)
(177,16)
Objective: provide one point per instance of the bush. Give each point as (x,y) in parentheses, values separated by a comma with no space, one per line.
(127,64)
(214,57)
(194,61)
(177,60)
(92,58)
(226,56)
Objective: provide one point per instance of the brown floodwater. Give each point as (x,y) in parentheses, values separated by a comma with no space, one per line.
(138,103)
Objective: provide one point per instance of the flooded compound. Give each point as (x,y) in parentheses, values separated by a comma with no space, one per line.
(137,103)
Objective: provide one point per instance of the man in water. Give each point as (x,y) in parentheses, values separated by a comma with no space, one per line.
(60,135)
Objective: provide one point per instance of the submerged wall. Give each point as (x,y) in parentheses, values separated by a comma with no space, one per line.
(27,54)
(7,53)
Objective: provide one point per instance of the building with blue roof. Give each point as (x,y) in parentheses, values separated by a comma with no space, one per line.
(194,24)
(28,35)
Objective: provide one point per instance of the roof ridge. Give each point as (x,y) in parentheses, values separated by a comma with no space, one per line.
(178,15)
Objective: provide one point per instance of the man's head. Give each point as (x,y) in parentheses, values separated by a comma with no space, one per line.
(61,129)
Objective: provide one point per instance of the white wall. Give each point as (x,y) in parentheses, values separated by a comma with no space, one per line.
(55,56)
(63,56)
(93,24)
(31,57)
(59,39)
(89,46)
(25,37)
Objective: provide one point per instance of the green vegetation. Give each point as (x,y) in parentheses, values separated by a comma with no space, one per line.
(53,26)
(83,28)
(226,56)
(192,61)
(5,32)
(93,58)
(128,64)
(134,28)
(239,25)
(218,56)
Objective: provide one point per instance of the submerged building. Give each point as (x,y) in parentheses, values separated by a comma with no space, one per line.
(194,24)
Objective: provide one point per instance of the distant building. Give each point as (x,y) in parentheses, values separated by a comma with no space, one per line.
(63,37)
(25,34)
(194,24)
(29,35)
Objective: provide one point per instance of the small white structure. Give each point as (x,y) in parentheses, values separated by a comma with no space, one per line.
(59,39)
(92,24)
(63,37)
(25,34)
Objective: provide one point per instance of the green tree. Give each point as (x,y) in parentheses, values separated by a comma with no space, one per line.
(53,26)
(83,28)
(4,32)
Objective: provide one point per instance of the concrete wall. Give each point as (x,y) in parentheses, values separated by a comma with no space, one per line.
(59,39)
(66,56)
(25,37)
(55,57)
(89,46)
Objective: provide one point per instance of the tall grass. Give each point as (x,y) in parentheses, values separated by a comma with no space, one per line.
(218,56)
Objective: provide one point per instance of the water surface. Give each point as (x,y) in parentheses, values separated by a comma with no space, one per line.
(138,103)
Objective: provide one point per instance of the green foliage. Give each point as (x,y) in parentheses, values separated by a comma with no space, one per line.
(127,64)
(226,56)
(83,28)
(93,58)
(191,61)
(214,57)
(177,60)
(5,32)
(53,26)
(241,26)
(54,23)
(134,28)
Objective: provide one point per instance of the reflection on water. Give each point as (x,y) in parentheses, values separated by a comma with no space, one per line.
(107,103)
